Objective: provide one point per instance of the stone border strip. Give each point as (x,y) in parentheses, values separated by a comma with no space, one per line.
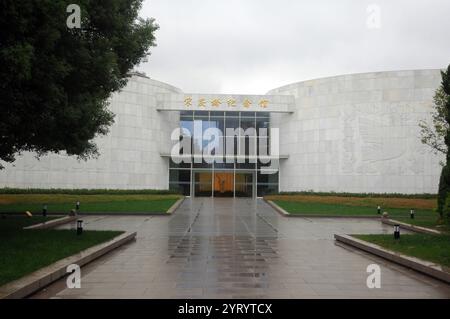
(103,214)
(278,209)
(175,206)
(41,278)
(122,214)
(53,223)
(34,214)
(284,213)
(413,228)
(425,267)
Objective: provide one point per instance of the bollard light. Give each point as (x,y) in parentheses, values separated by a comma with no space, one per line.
(411,213)
(379,209)
(396,231)
(44,210)
(77,206)
(79,227)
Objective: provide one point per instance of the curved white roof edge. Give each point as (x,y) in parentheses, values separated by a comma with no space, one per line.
(351,74)
(147,78)
(361,74)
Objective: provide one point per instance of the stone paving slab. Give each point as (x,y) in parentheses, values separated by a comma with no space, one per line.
(240,248)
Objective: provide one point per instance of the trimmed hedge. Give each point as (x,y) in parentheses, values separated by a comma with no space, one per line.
(87,191)
(385,195)
(7,190)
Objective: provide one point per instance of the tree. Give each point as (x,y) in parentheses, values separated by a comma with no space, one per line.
(437,136)
(433,134)
(56,80)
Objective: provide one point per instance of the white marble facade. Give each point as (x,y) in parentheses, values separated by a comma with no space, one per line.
(129,154)
(352,133)
(359,133)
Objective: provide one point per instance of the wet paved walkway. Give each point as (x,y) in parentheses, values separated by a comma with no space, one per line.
(241,248)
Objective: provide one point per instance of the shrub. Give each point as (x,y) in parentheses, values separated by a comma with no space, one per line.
(343,194)
(87,191)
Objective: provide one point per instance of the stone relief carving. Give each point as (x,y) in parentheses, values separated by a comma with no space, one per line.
(383,141)
(375,145)
(379,144)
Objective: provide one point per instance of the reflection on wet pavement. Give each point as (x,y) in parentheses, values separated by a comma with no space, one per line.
(240,248)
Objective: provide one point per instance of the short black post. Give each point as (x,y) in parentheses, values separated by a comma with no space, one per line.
(396,232)
(379,209)
(411,213)
(79,227)
(44,210)
(77,206)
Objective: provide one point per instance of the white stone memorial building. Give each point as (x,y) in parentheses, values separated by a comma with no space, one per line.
(354,133)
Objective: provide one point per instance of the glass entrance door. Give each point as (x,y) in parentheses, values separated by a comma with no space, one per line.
(223,184)
(243,185)
(203,184)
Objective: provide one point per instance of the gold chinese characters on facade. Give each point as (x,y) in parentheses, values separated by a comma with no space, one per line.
(188,101)
(231,102)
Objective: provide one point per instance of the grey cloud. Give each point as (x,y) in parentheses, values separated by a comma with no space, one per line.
(255,45)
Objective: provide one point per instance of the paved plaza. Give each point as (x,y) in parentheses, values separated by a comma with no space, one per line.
(239,248)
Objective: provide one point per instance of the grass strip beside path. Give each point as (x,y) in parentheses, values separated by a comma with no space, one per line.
(398,209)
(25,251)
(63,203)
(434,248)
(392,202)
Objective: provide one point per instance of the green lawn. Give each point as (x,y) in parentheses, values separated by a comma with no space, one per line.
(423,217)
(25,251)
(63,203)
(427,247)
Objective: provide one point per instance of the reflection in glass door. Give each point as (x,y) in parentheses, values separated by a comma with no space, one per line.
(243,185)
(203,184)
(223,184)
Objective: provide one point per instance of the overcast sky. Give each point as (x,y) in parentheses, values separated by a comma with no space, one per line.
(252,46)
